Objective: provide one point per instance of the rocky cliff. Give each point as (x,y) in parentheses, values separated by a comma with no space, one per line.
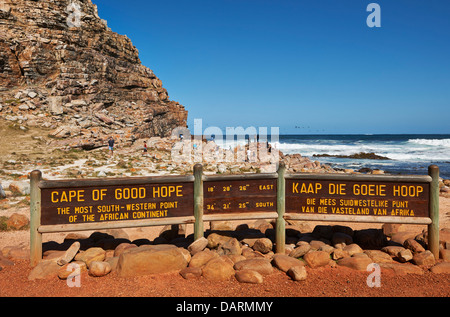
(61,67)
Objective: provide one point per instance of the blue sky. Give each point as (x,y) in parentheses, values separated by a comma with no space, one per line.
(306,67)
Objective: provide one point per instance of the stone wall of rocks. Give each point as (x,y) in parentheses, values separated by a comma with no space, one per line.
(245,253)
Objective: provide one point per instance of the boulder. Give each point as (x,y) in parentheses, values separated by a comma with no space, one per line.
(404,255)
(198,245)
(328,248)
(147,261)
(17,222)
(300,251)
(236,258)
(402,269)
(316,259)
(392,250)
(389,229)
(285,262)
(262,225)
(353,249)
(218,270)
(263,245)
(214,240)
(113,261)
(425,258)
(249,276)
(297,273)
(69,254)
(191,272)
(440,268)
(378,256)
(90,255)
(250,253)
(339,254)
(444,254)
(123,247)
(20,188)
(221,225)
(53,255)
(259,265)
(231,247)
(401,237)
(44,270)
(201,258)
(413,245)
(99,268)
(444,238)
(358,263)
(71,269)
(316,244)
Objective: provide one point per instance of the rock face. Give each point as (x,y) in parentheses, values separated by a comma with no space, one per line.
(62,67)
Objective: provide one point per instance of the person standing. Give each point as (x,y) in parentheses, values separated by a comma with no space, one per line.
(145,148)
(111,146)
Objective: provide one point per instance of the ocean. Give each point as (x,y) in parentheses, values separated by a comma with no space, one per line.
(407,153)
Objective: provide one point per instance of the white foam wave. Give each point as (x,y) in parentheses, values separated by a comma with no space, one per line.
(431,142)
(407,151)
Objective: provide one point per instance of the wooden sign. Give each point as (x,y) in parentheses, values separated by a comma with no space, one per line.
(115,203)
(357,198)
(73,205)
(240,196)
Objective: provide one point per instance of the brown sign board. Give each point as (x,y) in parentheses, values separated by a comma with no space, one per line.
(357,198)
(115,203)
(240,196)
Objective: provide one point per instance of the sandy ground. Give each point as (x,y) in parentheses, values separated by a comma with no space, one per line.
(322,282)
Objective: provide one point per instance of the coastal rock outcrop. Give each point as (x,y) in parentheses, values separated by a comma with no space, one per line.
(62,68)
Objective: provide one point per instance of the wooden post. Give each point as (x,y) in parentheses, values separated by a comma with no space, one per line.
(280,238)
(198,201)
(433,228)
(35,218)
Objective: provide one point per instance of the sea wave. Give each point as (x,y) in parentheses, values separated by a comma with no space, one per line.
(406,151)
(337,149)
(432,142)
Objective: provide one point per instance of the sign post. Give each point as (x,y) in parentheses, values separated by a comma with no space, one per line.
(198,201)
(281,207)
(35,218)
(433,227)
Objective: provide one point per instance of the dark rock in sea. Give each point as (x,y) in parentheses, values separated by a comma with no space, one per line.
(361,155)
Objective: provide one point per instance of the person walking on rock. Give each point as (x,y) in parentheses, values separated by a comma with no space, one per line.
(111,146)
(145,148)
